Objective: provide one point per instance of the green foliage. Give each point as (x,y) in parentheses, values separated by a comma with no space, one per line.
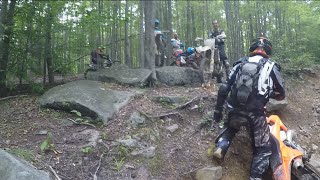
(292,26)
(303,60)
(122,152)
(77,113)
(23,153)
(118,163)
(87,150)
(104,136)
(47,144)
(37,88)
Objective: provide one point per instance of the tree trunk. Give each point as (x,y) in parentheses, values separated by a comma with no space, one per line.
(3,62)
(227,7)
(207,18)
(113,34)
(141,36)
(5,44)
(150,9)
(169,22)
(48,50)
(127,47)
(188,24)
(193,37)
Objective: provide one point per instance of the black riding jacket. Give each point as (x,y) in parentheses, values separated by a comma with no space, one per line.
(277,91)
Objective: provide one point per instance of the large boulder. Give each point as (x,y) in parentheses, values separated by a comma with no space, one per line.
(178,76)
(12,168)
(121,74)
(90,98)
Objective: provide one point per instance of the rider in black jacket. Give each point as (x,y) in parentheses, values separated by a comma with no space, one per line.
(246,104)
(220,36)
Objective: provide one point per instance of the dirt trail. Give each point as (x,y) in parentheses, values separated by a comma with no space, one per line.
(176,153)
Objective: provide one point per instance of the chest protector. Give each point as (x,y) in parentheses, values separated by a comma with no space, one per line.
(245,88)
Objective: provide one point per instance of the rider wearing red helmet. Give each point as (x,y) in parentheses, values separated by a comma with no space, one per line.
(251,82)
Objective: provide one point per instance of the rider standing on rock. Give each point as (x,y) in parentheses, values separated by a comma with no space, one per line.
(220,35)
(160,42)
(251,82)
(96,60)
(176,43)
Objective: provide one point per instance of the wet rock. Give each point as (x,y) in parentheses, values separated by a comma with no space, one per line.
(209,173)
(13,168)
(172,128)
(121,74)
(136,119)
(178,76)
(147,152)
(90,98)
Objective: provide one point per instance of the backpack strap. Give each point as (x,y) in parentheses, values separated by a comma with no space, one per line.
(265,82)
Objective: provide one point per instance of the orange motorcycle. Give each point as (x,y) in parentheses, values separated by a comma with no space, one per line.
(288,160)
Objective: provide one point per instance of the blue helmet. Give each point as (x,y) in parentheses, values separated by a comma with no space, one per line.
(156,22)
(190,50)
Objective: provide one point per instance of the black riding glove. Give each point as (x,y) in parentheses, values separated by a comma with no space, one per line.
(217,116)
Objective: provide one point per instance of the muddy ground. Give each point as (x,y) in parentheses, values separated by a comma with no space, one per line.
(24,126)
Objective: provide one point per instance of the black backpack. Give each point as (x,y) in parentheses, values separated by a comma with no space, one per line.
(245,87)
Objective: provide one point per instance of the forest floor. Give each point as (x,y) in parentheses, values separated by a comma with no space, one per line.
(24,126)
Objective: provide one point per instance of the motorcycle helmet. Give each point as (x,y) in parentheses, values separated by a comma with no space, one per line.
(261,46)
(156,22)
(190,50)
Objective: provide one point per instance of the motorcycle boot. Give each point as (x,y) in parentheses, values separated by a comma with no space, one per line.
(221,149)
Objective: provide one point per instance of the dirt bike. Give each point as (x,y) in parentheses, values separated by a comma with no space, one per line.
(210,64)
(288,158)
(180,59)
(106,63)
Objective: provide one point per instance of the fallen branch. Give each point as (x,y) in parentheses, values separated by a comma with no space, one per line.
(81,123)
(54,173)
(161,116)
(187,103)
(10,97)
(99,164)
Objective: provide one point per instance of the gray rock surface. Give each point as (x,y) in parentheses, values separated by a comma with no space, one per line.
(88,97)
(209,173)
(315,161)
(12,168)
(172,100)
(172,128)
(274,105)
(147,152)
(178,76)
(121,74)
(136,119)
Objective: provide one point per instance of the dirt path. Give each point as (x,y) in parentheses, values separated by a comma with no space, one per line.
(23,122)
